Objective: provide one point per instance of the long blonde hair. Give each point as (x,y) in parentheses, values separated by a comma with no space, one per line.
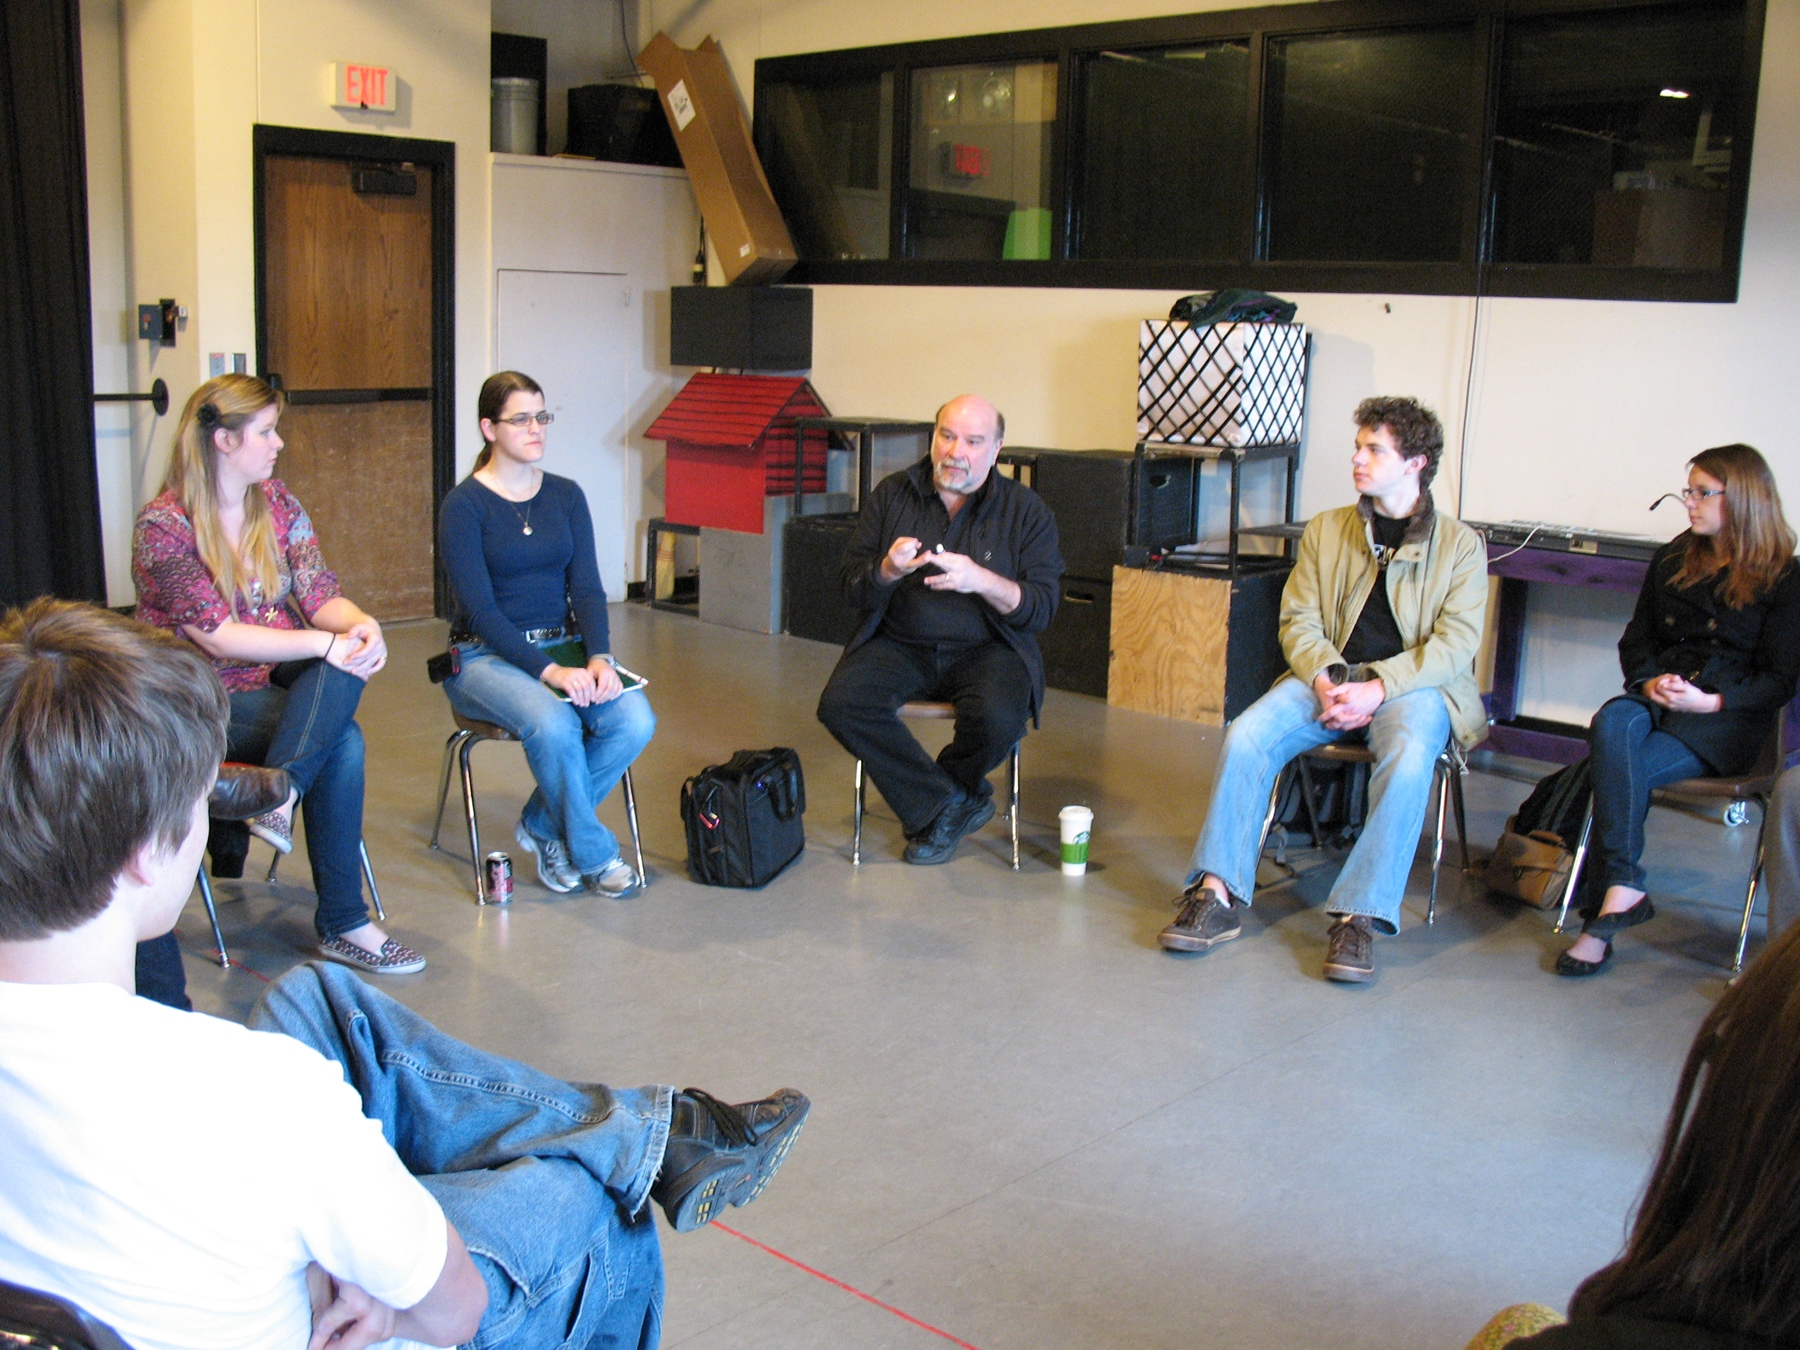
(228,402)
(1756,544)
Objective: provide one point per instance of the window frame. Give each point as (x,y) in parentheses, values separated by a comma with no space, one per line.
(1473,273)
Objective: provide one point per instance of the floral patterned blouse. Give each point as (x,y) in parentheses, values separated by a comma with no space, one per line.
(174,588)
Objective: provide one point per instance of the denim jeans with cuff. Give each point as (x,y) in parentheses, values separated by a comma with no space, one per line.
(1407,735)
(577,755)
(547,1182)
(304,721)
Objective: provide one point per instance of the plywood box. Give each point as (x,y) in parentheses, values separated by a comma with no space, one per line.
(704,111)
(1201,648)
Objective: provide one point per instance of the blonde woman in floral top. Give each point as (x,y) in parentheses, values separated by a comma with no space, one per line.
(226,557)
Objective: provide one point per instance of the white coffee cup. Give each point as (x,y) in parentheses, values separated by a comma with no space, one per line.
(1077,823)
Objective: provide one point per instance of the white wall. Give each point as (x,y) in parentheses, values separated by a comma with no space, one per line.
(1579,411)
(575,216)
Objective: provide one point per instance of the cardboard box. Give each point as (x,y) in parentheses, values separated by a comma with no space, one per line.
(701,101)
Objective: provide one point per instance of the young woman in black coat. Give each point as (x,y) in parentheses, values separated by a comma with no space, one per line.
(1710,659)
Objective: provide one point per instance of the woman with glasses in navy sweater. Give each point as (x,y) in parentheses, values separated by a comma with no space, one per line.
(532,641)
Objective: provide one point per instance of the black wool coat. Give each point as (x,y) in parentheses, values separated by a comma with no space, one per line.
(1748,656)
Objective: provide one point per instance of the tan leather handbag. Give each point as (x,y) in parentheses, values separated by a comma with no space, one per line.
(1530,867)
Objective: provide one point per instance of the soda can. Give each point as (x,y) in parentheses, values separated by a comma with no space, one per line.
(499,879)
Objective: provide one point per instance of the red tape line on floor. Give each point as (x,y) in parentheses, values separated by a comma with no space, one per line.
(847,1288)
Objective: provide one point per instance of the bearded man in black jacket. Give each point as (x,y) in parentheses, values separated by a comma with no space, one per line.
(954,569)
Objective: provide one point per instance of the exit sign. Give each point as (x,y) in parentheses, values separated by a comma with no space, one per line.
(368,88)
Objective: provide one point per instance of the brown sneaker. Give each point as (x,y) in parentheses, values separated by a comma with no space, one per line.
(1204,922)
(1351,956)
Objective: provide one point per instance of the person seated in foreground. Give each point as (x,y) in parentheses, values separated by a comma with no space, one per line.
(1713,1259)
(1781,839)
(340,1170)
(954,568)
(1381,621)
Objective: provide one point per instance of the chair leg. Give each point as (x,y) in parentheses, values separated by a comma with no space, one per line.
(856,815)
(1581,848)
(631,817)
(451,746)
(1737,960)
(1462,823)
(274,862)
(212,917)
(362,847)
(468,788)
(1013,810)
(1437,836)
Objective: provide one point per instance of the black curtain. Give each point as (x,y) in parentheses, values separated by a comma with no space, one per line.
(49,490)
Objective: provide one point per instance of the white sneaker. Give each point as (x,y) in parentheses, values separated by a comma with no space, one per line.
(552,856)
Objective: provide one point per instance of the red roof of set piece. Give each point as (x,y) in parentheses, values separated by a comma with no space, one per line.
(734,410)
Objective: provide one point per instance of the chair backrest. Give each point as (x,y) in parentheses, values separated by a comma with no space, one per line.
(46,1322)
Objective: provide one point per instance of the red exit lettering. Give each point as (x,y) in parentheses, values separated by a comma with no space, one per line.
(968,161)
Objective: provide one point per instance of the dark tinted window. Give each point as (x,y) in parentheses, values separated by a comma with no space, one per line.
(829,161)
(1372,139)
(1164,137)
(1614,137)
(980,182)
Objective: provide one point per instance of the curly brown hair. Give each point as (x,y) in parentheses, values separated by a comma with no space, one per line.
(1412,424)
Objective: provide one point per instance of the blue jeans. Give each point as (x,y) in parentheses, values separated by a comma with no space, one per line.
(304,721)
(1629,757)
(576,754)
(547,1182)
(1407,735)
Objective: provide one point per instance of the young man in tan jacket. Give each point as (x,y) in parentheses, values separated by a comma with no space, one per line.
(1380,624)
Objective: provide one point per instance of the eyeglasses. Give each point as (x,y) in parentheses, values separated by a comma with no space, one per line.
(523,420)
(1693,495)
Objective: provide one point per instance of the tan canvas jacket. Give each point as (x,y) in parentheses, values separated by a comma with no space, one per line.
(1437,584)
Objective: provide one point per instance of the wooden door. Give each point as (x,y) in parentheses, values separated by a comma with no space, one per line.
(348,291)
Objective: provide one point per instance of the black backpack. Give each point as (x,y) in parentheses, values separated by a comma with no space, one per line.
(1558,803)
(1333,818)
(743,818)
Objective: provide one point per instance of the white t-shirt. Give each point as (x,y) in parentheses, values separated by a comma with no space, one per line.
(173,1173)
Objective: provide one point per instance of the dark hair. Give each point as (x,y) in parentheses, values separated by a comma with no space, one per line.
(1716,1240)
(1756,544)
(491,402)
(109,733)
(1414,426)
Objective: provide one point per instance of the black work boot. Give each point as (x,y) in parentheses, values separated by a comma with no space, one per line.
(721,1155)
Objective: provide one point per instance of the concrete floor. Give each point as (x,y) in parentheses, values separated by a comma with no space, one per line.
(1032,1128)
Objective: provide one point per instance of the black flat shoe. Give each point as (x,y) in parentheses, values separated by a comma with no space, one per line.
(1606,927)
(1574,967)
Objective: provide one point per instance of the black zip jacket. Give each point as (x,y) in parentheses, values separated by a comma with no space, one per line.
(1011,532)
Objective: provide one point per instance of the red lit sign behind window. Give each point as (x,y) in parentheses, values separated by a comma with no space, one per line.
(967,161)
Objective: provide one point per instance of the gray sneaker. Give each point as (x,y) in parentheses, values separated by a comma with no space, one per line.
(1351,956)
(618,878)
(553,866)
(1205,920)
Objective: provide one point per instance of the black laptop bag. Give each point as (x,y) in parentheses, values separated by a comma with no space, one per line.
(743,818)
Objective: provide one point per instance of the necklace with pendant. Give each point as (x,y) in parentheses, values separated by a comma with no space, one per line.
(524,520)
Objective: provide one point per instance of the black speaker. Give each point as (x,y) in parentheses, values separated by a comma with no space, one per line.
(812,555)
(1253,659)
(622,123)
(1078,644)
(741,327)
(1092,494)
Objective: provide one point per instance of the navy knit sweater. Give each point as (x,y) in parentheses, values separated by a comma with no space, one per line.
(507,581)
